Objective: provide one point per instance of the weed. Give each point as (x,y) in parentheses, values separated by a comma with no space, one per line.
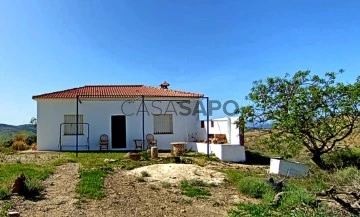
(254,187)
(193,191)
(5,193)
(201,161)
(153,187)
(9,172)
(5,207)
(140,179)
(91,184)
(144,155)
(296,196)
(34,187)
(197,182)
(347,176)
(165,185)
(244,209)
(185,201)
(145,174)
(216,203)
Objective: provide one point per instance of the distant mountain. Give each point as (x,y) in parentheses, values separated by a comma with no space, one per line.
(259,126)
(8,131)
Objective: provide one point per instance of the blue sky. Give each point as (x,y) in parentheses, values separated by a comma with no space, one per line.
(213,47)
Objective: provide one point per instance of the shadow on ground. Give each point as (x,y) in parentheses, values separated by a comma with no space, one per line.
(255,158)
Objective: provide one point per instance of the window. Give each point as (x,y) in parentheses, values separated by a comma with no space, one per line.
(212,123)
(202,124)
(163,124)
(70,125)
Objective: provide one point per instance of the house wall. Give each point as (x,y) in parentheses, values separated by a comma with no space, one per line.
(221,126)
(50,114)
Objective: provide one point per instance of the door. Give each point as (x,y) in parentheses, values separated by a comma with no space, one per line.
(118,131)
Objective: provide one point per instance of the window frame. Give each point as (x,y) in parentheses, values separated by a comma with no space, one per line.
(70,126)
(171,123)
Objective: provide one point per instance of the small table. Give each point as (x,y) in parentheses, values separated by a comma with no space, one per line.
(178,148)
(138,144)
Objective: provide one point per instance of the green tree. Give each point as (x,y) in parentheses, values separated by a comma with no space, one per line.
(33,121)
(305,110)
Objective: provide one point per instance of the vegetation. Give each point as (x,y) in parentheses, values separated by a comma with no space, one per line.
(305,111)
(91,184)
(7,132)
(165,184)
(194,188)
(298,198)
(3,211)
(145,174)
(33,172)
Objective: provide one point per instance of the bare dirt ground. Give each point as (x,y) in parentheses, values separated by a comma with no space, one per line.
(126,196)
(59,197)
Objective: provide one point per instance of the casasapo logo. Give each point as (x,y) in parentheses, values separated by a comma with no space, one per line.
(182,108)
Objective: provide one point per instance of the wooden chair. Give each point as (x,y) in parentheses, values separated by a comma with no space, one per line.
(138,144)
(104,142)
(151,141)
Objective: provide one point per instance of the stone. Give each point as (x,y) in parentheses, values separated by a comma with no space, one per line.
(13,214)
(19,186)
(154,153)
(127,155)
(109,160)
(135,156)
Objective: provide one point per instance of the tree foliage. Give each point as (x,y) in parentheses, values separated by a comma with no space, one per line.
(305,110)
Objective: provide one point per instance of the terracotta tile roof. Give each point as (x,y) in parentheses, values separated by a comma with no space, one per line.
(116,91)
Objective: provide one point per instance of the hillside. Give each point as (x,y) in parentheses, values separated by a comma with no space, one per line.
(8,131)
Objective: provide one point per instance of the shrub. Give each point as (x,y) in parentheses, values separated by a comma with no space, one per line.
(34,187)
(255,187)
(348,176)
(296,196)
(20,145)
(8,143)
(20,137)
(144,155)
(343,158)
(30,140)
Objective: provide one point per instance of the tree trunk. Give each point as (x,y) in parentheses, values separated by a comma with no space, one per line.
(316,158)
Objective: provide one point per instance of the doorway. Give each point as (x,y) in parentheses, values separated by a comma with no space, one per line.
(118,131)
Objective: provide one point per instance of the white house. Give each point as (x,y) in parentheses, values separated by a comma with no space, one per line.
(123,112)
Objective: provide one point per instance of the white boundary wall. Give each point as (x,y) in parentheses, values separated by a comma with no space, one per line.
(225,152)
(288,168)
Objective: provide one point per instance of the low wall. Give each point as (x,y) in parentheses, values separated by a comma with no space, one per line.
(225,152)
(288,168)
